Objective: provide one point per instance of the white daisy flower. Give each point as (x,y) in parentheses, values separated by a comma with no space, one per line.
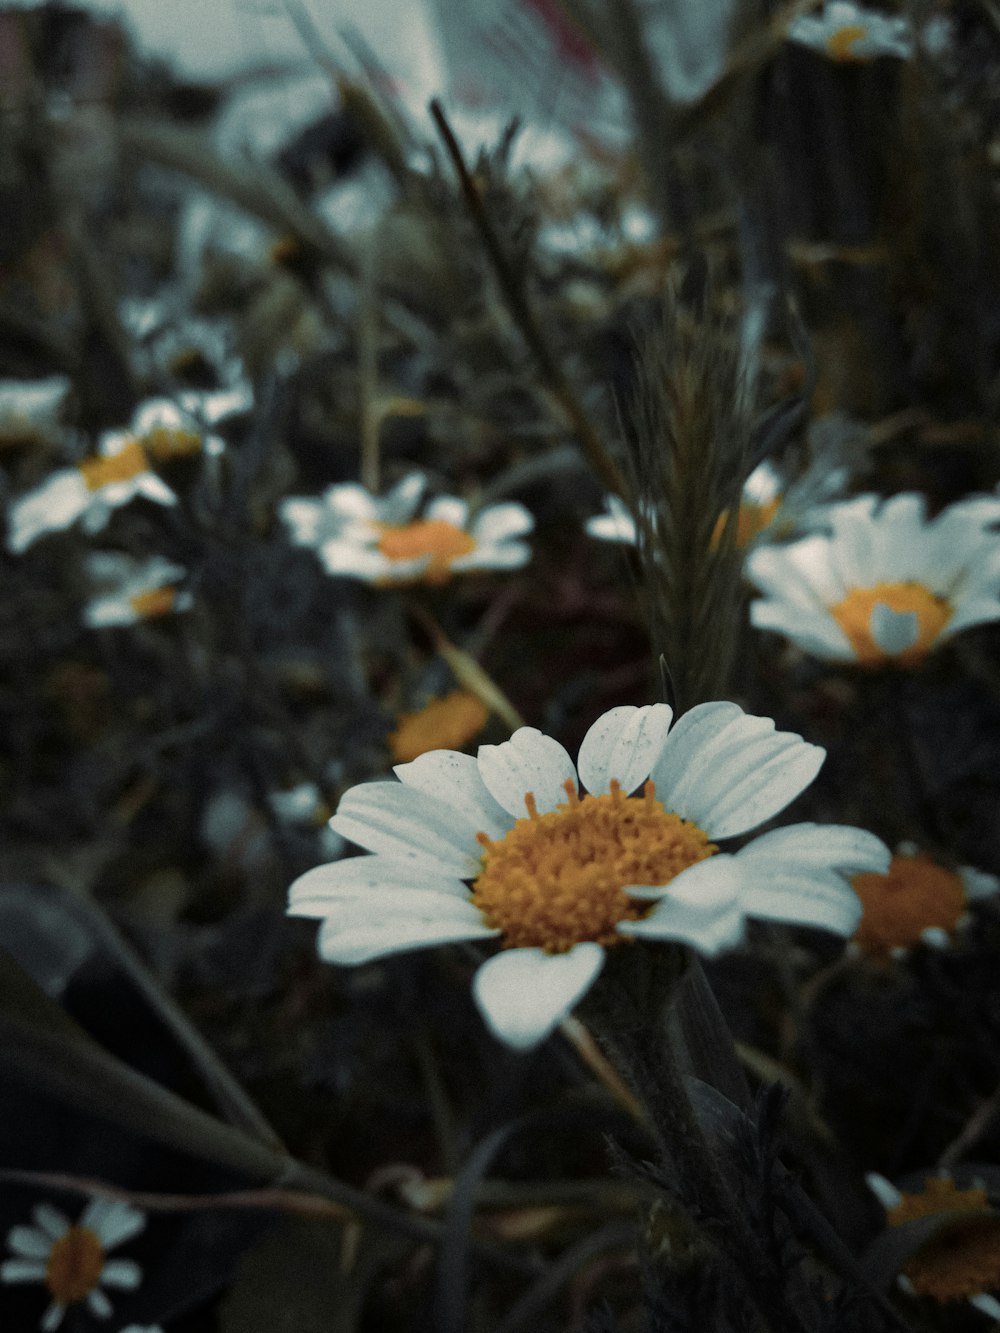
(71,1258)
(31,409)
(849,32)
(505,847)
(886,585)
(133,590)
(762,496)
(117,474)
(167,430)
(962,1260)
(389,540)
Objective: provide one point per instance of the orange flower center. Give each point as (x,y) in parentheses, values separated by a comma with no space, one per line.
(123,466)
(840,44)
(445,724)
(854,616)
(164,444)
(76,1262)
(155,602)
(751,520)
(915,895)
(558,879)
(434,539)
(964,1258)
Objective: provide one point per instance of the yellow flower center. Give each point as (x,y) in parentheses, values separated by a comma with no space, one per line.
(840,44)
(854,613)
(447,723)
(155,602)
(123,466)
(558,879)
(914,895)
(435,538)
(163,444)
(76,1262)
(964,1258)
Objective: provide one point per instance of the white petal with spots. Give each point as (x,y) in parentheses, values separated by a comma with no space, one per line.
(455,777)
(624,743)
(528,762)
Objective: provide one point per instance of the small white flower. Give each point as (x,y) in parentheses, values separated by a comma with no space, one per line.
(132,590)
(70,1259)
(168,429)
(31,409)
(886,585)
(761,498)
(388,540)
(849,32)
(117,474)
(504,846)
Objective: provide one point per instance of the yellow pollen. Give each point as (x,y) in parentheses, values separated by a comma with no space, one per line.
(164,444)
(751,520)
(854,614)
(963,1259)
(155,602)
(840,44)
(447,723)
(76,1262)
(914,895)
(123,466)
(558,879)
(442,541)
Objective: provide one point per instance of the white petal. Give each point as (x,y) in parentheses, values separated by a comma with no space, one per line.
(124,1273)
(523,994)
(52,1317)
(321,890)
(986,1304)
(98,1304)
(816,632)
(838,846)
(54,506)
(349,559)
(448,509)
(884,1190)
(401,503)
(977,883)
(893,631)
(729,771)
(358,941)
(23,1270)
(800,574)
(506,555)
(528,762)
(29,1242)
(51,1220)
(972,611)
(454,778)
(303,518)
(701,907)
(113,1220)
(498,523)
(404,823)
(624,743)
(149,485)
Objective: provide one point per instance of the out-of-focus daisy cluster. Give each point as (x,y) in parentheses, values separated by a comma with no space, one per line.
(498,638)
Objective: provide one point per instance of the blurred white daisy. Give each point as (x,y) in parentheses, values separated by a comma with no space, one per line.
(762,497)
(504,846)
(887,584)
(167,431)
(917,900)
(132,590)
(70,1258)
(961,1261)
(87,493)
(849,32)
(31,409)
(392,539)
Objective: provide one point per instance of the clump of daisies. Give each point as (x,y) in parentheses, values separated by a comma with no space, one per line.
(128,591)
(506,847)
(70,1259)
(394,539)
(887,585)
(848,32)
